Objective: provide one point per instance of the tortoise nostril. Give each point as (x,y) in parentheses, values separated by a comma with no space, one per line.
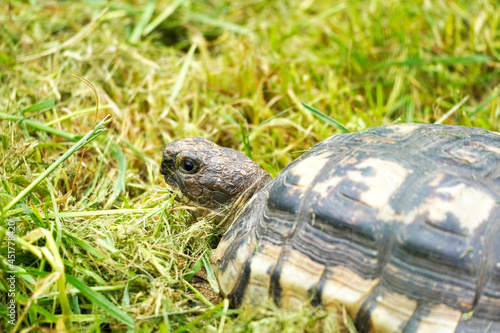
(163,167)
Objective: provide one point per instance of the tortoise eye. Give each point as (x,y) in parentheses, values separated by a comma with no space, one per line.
(189,166)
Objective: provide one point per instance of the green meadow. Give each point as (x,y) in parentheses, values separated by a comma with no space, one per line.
(90,92)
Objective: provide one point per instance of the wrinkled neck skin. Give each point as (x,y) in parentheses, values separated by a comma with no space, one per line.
(225,216)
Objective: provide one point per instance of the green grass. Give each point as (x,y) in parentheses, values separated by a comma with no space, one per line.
(101,245)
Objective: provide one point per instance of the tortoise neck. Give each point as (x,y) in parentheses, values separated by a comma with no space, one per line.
(260,180)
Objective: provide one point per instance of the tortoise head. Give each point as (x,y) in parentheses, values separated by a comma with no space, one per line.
(209,175)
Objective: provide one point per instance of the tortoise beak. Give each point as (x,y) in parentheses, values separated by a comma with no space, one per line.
(170,181)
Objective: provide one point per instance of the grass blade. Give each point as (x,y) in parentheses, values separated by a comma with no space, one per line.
(246,142)
(221,24)
(43,105)
(193,270)
(326,118)
(40,126)
(198,294)
(274,117)
(117,153)
(82,33)
(207,313)
(480,107)
(143,21)
(180,80)
(163,16)
(452,110)
(87,247)
(50,252)
(473,59)
(99,128)
(210,273)
(102,212)
(77,113)
(101,301)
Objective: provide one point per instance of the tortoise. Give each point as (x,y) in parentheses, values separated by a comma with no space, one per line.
(400,224)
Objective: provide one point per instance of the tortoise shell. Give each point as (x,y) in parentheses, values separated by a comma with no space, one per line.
(399,223)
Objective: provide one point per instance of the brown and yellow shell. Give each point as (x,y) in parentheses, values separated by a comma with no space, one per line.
(400,224)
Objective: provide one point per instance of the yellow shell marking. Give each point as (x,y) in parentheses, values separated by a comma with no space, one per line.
(298,275)
(392,312)
(260,279)
(229,277)
(346,287)
(308,169)
(471,206)
(382,184)
(403,129)
(441,319)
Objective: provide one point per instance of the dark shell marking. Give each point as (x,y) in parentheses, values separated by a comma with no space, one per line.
(399,223)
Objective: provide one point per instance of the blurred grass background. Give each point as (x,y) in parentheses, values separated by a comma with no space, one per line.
(101,246)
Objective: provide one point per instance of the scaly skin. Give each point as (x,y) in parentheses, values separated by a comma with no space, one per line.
(221,179)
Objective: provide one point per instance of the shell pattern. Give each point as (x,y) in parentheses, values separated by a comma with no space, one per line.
(399,223)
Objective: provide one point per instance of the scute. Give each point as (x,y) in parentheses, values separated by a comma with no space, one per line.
(400,221)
